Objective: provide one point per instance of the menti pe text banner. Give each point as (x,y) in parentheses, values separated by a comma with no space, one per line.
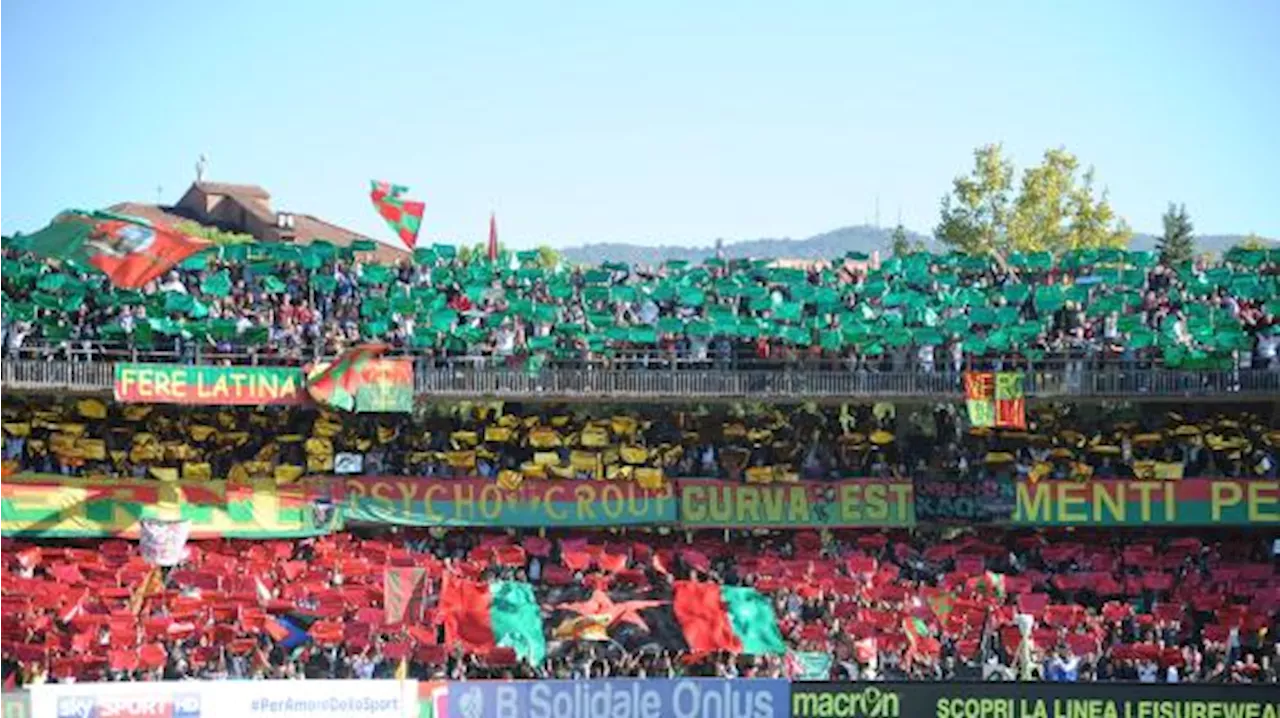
(1185,502)
(1032,700)
(54,506)
(481,502)
(212,385)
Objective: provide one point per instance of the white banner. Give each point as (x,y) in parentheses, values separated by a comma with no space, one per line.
(346,463)
(164,543)
(244,699)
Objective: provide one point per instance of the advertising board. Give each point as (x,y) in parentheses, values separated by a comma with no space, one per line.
(620,698)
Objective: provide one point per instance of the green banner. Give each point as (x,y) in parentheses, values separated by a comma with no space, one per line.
(1185,502)
(212,385)
(52,506)
(710,503)
(481,502)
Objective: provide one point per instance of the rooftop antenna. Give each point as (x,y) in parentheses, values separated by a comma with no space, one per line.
(877,210)
(202,164)
(159,193)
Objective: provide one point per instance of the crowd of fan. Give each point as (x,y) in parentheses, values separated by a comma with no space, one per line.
(740,442)
(922,311)
(1146,607)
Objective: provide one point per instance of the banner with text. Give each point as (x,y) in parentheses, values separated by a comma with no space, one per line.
(212,385)
(1188,502)
(630,697)
(194,699)
(481,502)
(1031,700)
(964,499)
(54,506)
(711,503)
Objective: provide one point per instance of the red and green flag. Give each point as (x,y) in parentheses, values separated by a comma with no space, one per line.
(403,591)
(988,584)
(131,251)
(337,383)
(481,616)
(403,216)
(737,619)
(996,399)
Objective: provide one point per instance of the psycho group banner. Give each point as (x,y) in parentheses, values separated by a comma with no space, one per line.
(481,502)
(707,503)
(1186,502)
(212,385)
(1031,700)
(54,506)
(636,698)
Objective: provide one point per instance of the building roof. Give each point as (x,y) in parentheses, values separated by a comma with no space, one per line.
(247,191)
(306,228)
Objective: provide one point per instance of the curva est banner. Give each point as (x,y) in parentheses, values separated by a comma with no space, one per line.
(1185,502)
(212,385)
(621,698)
(481,502)
(709,503)
(1032,700)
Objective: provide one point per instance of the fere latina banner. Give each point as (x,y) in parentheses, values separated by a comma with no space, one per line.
(1185,502)
(621,698)
(711,503)
(1032,700)
(481,502)
(53,506)
(210,385)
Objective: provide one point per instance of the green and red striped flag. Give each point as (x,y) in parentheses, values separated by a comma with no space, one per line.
(403,216)
(480,616)
(737,619)
(336,384)
(131,251)
(988,584)
(403,590)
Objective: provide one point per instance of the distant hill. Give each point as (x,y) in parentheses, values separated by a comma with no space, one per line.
(822,246)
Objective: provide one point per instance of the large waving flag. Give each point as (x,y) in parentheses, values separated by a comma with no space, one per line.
(403,216)
(131,251)
(335,384)
(482,616)
(737,619)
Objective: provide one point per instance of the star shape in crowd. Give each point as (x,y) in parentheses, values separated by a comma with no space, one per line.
(600,604)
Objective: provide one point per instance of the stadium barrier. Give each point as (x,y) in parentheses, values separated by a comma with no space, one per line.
(463,379)
(1033,700)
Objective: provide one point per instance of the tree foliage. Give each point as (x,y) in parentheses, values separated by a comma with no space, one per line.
(1055,207)
(1177,244)
(901,245)
(1252,242)
(213,234)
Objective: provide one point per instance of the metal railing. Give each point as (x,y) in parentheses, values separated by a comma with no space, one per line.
(464,380)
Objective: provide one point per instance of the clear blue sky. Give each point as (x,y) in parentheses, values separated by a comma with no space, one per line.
(646,121)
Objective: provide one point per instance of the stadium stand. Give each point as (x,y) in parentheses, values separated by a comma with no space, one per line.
(739,535)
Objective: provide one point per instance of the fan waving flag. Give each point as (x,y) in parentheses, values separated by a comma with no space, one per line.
(335,385)
(131,251)
(403,216)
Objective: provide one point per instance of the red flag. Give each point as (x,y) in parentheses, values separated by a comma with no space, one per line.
(130,250)
(700,610)
(493,238)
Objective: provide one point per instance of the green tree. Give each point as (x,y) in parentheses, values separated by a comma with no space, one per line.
(213,234)
(901,245)
(548,257)
(1177,244)
(1055,208)
(1252,242)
